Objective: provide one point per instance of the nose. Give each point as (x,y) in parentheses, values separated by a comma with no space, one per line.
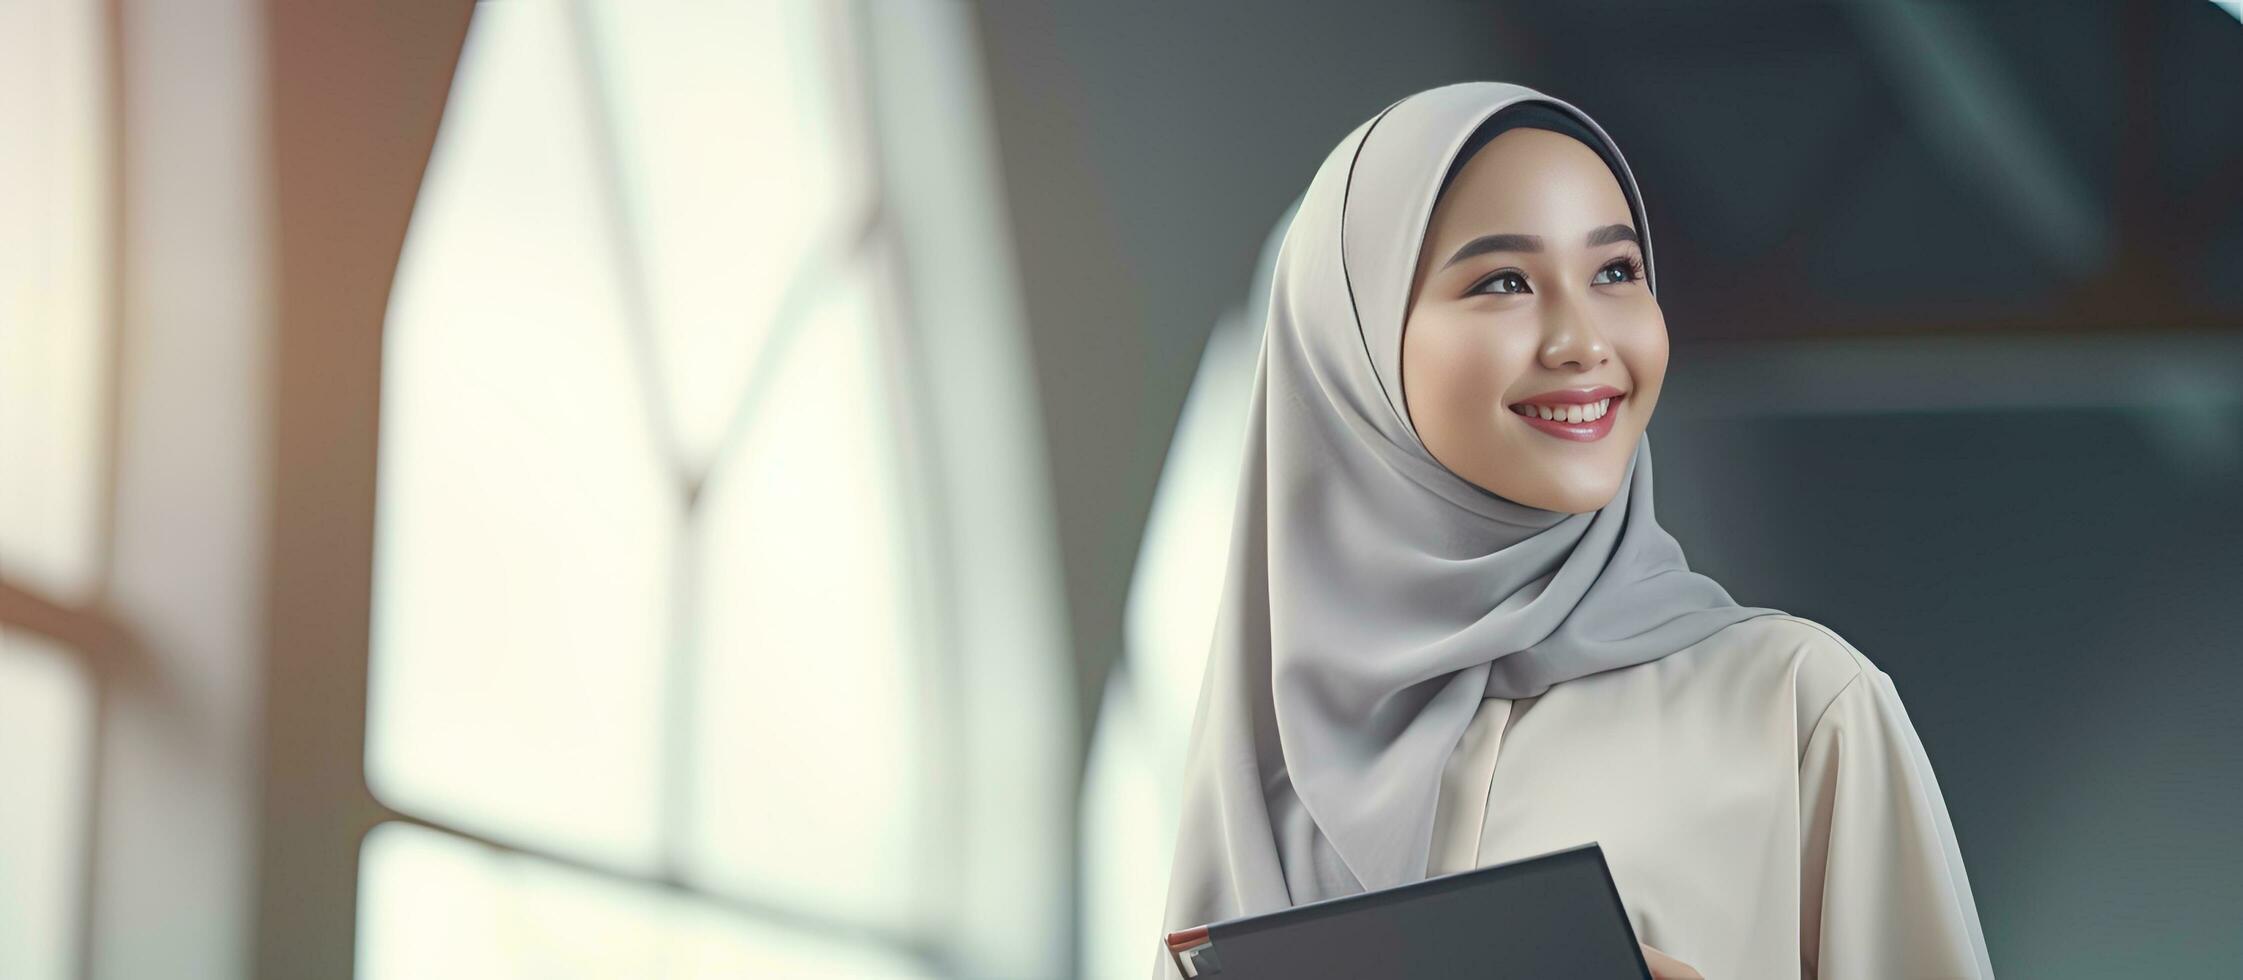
(1570,340)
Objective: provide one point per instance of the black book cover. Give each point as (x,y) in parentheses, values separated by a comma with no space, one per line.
(1552,915)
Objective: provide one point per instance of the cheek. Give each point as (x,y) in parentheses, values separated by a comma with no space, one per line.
(1643,348)
(1455,370)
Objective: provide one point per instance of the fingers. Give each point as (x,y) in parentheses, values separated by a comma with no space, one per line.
(1664,967)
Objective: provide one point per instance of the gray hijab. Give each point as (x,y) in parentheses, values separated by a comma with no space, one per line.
(1374,597)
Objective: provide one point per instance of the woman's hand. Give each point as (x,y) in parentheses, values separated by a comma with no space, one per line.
(1664,967)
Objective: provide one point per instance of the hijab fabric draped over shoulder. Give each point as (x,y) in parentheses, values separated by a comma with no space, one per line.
(1373,598)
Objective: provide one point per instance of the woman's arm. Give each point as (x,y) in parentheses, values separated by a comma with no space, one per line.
(1882,887)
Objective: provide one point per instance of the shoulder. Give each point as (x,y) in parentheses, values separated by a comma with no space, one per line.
(1821,665)
(1818,647)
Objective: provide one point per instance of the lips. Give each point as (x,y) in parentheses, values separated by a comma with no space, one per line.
(1573,396)
(1574,414)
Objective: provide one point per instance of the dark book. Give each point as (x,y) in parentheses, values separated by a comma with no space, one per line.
(1551,915)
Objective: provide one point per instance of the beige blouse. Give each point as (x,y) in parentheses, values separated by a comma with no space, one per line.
(1761,797)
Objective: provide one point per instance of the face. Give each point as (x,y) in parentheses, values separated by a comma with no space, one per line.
(1530,302)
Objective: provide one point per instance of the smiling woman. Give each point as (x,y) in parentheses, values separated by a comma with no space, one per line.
(1452,635)
(1532,357)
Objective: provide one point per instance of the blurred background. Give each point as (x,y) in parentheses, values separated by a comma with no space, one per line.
(576,488)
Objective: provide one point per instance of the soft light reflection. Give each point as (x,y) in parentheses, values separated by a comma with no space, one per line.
(53,345)
(46,726)
(808,778)
(1130,808)
(1133,798)
(724,130)
(1178,582)
(53,213)
(434,907)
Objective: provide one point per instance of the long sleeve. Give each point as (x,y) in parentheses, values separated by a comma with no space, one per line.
(1883,892)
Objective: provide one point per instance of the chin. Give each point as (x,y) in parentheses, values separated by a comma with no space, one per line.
(1581,499)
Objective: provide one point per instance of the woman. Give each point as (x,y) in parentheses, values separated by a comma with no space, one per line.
(1453,633)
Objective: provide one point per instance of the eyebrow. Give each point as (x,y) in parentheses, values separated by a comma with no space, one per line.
(1533,243)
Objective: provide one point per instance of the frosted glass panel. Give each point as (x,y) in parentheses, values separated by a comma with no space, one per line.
(808,763)
(53,172)
(723,123)
(526,526)
(434,907)
(46,726)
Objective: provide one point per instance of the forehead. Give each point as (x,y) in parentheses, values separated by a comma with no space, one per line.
(1534,177)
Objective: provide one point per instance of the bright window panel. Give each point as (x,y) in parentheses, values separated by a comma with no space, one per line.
(46,735)
(1131,801)
(1177,587)
(434,907)
(1129,818)
(808,763)
(526,524)
(53,212)
(724,120)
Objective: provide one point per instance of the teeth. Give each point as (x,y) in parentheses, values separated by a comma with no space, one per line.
(1567,413)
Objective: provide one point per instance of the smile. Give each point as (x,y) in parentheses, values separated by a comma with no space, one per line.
(1567,413)
(1571,416)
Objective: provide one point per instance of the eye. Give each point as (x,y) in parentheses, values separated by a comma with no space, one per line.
(1629,269)
(1505,276)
